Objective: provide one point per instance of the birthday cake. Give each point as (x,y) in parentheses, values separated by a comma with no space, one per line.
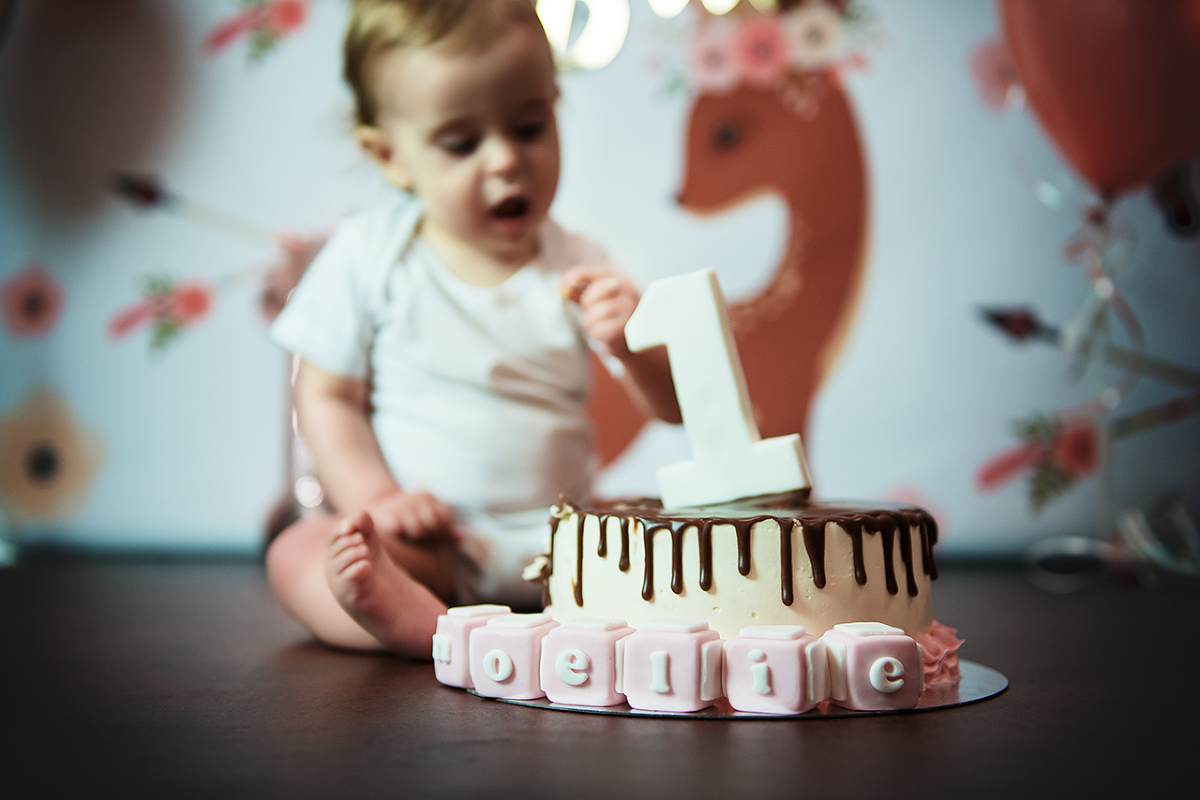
(770,606)
(736,587)
(755,562)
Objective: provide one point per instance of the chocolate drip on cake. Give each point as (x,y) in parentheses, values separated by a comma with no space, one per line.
(743,542)
(677,559)
(579,520)
(676,527)
(787,585)
(814,545)
(706,557)
(878,523)
(602,544)
(906,558)
(888,537)
(623,563)
(648,557)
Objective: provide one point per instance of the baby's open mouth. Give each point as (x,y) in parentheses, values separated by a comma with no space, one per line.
(511,208)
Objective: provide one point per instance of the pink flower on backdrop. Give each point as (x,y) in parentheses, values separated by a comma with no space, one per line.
(1077,450)
(166,308)
(814,33)
(285,16)
(1056,453)
(32,302)
(1009,465)
(711,61)
(995,75)
(761,51)
(189,302)
(275,20)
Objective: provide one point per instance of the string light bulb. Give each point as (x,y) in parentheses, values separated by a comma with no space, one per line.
(601,38)
(667,8)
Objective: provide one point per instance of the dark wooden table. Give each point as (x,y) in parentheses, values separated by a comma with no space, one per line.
(182,678)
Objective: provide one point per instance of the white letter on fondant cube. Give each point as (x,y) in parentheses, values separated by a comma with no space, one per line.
(874,667)
(505,654)
(451,655)
(673,665)
(579,662)
(776,669)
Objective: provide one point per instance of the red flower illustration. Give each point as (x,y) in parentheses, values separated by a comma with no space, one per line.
(264,23)
(189,302)
(1009,465)
(1055,453)
(761,51)
(284,16)
(1077,450)
(227,32)
(167,308)
(32,302)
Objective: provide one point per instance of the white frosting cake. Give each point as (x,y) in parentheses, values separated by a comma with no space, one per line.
(756,562)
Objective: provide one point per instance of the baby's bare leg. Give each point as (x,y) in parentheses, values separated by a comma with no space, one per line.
(399,612)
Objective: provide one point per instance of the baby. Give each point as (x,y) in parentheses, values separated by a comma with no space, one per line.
(444,338)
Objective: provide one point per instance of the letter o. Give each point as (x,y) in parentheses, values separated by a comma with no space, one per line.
(497,665)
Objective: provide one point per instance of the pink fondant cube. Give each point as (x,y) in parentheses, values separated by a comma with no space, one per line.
(673,665)
(451,656)
(505,654)
(776,669)
(873,667)
(581,664)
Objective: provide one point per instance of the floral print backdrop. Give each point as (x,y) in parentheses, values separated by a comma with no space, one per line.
(167,170)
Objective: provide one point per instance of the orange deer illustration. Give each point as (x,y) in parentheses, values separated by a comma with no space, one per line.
(751,141)
(739,145)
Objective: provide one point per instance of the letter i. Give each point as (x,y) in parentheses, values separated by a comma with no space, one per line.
(760,672)
(659,679)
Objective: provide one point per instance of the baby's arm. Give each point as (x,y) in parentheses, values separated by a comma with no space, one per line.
(607,300)
(335,422)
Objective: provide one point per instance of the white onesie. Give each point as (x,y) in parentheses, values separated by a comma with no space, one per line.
(479,393)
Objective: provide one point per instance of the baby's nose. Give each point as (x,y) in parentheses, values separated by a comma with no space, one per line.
(504,155)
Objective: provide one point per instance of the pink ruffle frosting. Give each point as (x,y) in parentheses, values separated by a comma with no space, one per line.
(940,649)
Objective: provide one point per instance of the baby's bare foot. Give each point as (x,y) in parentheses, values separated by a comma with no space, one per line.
(376,591)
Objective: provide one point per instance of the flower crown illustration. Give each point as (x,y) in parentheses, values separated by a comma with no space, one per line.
(794,50)
(262,22)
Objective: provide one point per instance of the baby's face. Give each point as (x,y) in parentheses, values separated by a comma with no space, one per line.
(474,137)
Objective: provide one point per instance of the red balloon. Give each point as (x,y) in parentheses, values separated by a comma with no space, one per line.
(1115,83)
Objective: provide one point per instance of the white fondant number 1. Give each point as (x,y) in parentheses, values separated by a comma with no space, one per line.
(687,313)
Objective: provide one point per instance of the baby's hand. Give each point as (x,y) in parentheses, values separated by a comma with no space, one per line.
(607,301)
(415,516)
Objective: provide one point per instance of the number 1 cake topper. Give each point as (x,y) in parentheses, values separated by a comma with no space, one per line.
(687,313)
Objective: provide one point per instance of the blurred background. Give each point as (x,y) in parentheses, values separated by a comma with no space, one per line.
(959,242)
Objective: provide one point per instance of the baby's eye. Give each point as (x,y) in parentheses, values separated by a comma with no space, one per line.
(529,131)
(459,145)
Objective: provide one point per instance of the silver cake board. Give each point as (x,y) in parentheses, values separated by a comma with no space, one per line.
(977,683)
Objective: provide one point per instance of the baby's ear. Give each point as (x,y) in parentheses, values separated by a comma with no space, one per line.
(375,144)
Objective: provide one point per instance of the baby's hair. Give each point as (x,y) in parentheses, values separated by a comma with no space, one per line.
(378,26)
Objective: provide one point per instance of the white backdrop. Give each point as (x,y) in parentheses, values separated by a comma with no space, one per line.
(194,437)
